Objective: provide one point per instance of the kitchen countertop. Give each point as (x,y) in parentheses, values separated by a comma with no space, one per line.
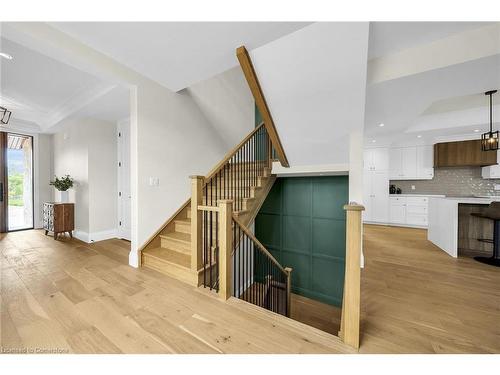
(442,228)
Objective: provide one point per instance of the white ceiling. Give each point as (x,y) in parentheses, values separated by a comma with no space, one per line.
(34,85)
(41,91)
(440,102)
(176,54)
(390,37)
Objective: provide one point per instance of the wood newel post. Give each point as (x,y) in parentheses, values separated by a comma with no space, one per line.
(225,248)
(288,271)
(196,221)
(349,325)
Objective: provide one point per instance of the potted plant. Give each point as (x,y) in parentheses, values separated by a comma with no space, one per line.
(62,185)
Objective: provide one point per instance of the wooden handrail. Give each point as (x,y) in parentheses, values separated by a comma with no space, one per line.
(257,242)
(260,102)
(231,153)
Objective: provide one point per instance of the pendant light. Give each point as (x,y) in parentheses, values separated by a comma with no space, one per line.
(4,115)
(489,140)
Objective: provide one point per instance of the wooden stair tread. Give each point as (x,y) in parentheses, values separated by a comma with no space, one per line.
(177,236)
(170,256)
(183,221)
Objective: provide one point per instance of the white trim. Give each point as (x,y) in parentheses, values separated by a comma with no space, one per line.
(96,236)
(82,236)
(396,225)
(310,170)
(103,235)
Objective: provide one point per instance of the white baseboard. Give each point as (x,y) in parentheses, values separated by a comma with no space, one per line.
(94,237)
(103,235)
(82,236)
(396,225)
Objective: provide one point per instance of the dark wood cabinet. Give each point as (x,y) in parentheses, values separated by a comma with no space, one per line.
(58,218)
(463,154)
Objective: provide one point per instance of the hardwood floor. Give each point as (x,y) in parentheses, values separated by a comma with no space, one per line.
(417,299)
(67,296)
(74,297)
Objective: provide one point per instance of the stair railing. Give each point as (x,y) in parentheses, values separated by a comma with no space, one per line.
(240,169)
(234,177)
(257,277)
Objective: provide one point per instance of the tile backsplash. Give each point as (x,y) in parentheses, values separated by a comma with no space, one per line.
(461,181)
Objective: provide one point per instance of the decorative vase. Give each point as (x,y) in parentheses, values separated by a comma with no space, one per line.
(64,196)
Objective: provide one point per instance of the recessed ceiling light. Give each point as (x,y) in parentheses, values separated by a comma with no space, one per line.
(476,130)
(373,141)
(381,125)
(419,136)
(5,55)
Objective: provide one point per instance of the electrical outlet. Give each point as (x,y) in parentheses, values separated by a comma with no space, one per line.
(496,186)
(412,187)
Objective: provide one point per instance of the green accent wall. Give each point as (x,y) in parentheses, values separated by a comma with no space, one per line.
(302,223)
(258,117)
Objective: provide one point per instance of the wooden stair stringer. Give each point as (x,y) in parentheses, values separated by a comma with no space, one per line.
(260,196)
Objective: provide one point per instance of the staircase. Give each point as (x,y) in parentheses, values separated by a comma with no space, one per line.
(243,176)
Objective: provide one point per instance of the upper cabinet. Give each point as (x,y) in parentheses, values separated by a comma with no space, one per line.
(463,154)
(376,159)
(411,163)
(425,162)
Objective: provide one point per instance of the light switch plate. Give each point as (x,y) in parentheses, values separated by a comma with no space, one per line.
(496,186)
(412,187)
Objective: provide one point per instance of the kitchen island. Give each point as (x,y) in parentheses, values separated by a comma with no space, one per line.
(443,220)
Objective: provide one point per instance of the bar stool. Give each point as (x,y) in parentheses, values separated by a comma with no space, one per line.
(492,212)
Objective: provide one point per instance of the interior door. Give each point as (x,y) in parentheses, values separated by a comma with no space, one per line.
(3,182)
(124,194)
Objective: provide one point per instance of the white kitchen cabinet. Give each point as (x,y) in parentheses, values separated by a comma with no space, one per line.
(408,210)
(425,162)
(376,159)
(395,164)
(376,196)
(397,210)
(411,163)
(491,171)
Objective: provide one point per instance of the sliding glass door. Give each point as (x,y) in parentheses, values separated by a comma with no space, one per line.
(16,167)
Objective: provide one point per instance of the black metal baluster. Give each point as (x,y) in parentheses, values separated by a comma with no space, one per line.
(234,259)
(217,250)
(204,267)
(210,250)
(245,276)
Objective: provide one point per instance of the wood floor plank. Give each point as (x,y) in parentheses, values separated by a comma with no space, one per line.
(85,299)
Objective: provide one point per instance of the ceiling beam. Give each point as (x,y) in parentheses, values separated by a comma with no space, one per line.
(456,49)
(260,101)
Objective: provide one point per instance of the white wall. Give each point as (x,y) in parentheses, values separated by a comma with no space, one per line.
(314,81)
(227,103)
(86,150)
(170,137)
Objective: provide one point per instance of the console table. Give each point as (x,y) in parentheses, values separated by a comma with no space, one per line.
(58,218)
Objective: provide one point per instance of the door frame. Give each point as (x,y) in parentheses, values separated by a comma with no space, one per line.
(5,174)
(120,147)
(3,180)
